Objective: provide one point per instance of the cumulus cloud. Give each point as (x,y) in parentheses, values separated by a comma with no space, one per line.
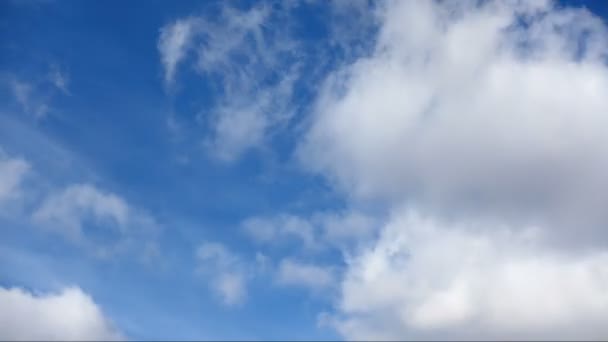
(481,126)
(476,128)
(427,279)
(226,271)
(70,314)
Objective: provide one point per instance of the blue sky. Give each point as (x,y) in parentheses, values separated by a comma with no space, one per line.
(302,170)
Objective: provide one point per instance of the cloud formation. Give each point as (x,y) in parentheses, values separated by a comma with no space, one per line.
(252,71)
(99,221)
(172,45)
(85,215)
(33,94)
(12,172)
(226,270)
(28,97)
(68,209)
(491,157)
(277,229)
(307,275)
(474,129)
(427,279)
(316,232)
(69,314)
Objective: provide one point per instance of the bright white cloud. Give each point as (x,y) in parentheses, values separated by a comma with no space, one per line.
(300,274)
(226,271)
(499,145)
(67,315)
(427,280)
(511,126)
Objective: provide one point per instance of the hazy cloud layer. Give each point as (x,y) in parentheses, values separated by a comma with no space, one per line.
(12,172)
(226,271)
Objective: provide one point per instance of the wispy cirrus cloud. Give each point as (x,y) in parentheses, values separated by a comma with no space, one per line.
(297,273)
(173,44)
(253,71)
(60,79)
(99,221)
(227,271)
(12,172)
(33,94)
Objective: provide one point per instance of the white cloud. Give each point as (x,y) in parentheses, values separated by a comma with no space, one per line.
(101,222)
(226,270)
(426,279)
(487,118)
(230,34)
(345,230)
(173,43)
(252,69)
(240,124)
(68,315)
(307,275)
(12,172)
(231,287)
(67,210)
(511,126)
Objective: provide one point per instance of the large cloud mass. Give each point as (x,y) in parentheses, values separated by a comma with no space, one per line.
(483,127)
(68,315)
(425,279)
(497,109)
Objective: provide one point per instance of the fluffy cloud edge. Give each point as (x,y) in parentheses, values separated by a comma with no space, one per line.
(70,314)
(428,279)
(499,148)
